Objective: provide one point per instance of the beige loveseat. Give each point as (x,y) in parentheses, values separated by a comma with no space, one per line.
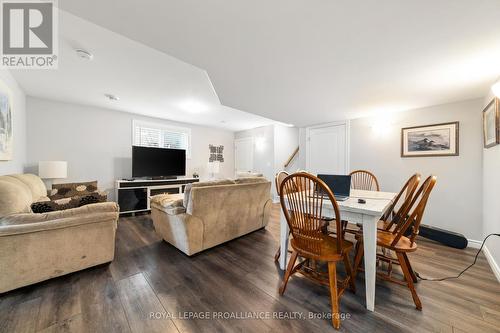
(211,213)
(37,247)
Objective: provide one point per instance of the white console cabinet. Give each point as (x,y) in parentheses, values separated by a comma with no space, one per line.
(133,195)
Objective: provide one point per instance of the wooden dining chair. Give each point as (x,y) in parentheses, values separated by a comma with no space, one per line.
(303,212)
(361,180)
(396,241)
(364,180)
(278,179)
(395,213)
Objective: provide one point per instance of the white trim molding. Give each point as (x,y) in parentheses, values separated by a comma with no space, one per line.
(474,244)
(493,264)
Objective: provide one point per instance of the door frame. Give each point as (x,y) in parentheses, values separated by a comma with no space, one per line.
(248,138)
(347,125)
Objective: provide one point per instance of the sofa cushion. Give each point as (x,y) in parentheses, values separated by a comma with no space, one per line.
(34,183)
(69,190)
(13,198)
(187,193)
(171,204)
(188,187)
(243,174)
(251,180)
(213,183)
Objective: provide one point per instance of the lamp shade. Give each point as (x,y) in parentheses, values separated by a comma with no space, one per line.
(53,169)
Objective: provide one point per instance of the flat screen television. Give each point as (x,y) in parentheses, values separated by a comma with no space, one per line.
(158,162)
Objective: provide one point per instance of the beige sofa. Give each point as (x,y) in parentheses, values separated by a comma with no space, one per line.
(211,213)
(37,247)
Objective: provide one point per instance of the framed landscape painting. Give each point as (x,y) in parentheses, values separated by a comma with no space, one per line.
(5,128)
(491,131)
(430,140)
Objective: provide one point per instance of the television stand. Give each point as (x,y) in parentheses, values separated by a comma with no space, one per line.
(164,178)
(133,195)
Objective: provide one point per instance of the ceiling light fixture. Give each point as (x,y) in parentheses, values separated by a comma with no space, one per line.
(112,97)
(84,54)
(193,106)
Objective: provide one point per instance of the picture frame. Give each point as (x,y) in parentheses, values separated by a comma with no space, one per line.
(430,140)
(491,124)
(6,126)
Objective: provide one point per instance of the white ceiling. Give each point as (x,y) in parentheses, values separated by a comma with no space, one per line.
(147,81)
(311,61)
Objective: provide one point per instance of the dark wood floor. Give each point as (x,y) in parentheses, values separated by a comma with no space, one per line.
(150,276)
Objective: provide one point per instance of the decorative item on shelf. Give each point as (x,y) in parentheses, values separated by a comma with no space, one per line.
(216,153)
(5,128)
(52,170)
(196,175)
(491,123)
(430,140)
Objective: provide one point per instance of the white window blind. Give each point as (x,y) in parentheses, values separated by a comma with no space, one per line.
(161,136)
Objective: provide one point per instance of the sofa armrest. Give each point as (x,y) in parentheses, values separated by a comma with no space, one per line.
(171,204)
(29,222)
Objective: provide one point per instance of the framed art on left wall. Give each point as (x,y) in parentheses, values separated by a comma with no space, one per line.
(6,136)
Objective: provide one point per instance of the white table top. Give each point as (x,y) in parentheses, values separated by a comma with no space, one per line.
(376,202)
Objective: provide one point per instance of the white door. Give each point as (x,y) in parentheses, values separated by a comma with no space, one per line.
(327,149)
(243,154)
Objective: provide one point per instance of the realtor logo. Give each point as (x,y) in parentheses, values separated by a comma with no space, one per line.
(29,38)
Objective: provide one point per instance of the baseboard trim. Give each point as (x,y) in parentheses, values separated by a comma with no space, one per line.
(493,264)
(475,244)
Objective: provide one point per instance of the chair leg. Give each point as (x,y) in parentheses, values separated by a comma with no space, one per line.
(334,297)
(358,257)
(350,275)
(288,272)
(409,280)
(412,273)
(277,255)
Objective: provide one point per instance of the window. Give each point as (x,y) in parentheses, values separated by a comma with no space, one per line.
(162,136)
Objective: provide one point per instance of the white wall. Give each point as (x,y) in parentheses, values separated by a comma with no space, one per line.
(286,140)
(456,202)
(491,195)
(263,150)
(273,145)
(17,164)
(97,142)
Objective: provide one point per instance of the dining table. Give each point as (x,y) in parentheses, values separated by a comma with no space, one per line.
(352,210)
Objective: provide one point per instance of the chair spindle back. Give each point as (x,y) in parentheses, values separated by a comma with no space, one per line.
(364,180)
(418,204)
(302,198)
(278,179)
(395,215)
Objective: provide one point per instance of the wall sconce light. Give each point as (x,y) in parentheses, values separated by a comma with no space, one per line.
(260,143)
(496,88)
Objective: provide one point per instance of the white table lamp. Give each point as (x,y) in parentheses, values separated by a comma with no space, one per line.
(52,169)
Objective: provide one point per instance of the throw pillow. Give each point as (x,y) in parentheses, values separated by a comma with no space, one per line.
(69,190)
(68,203)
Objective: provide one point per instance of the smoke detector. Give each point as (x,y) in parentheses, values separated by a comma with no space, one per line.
(84,54)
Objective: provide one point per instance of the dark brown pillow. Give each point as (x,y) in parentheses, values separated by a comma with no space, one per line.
(78,201)
(51,206)
(70,190)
